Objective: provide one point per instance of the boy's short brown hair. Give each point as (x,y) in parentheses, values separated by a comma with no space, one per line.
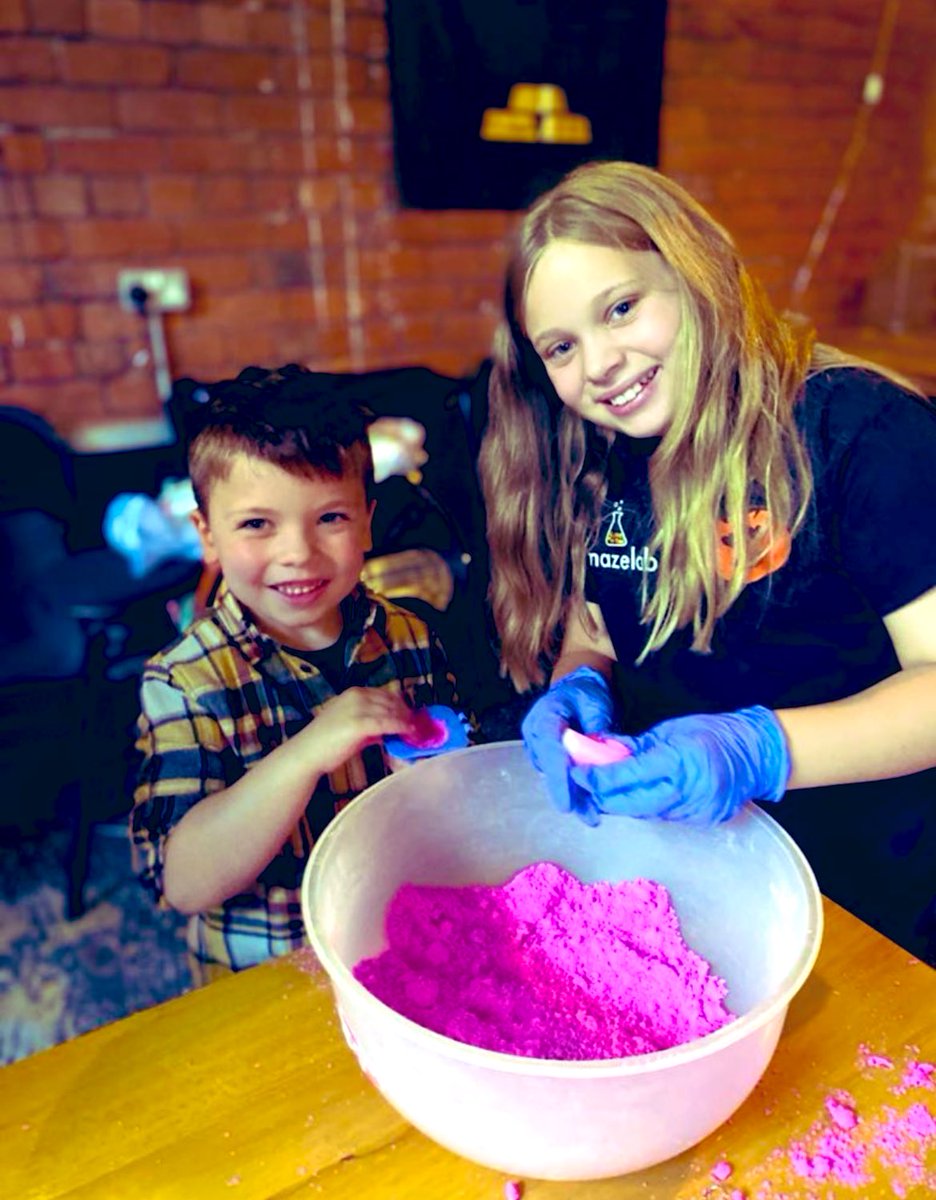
(278,416)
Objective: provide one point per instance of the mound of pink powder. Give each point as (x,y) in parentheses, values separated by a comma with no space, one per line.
(546,966)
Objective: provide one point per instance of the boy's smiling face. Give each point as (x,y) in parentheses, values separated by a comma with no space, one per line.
(290,547)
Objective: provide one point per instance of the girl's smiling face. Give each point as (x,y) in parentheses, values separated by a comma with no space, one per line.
(604,321)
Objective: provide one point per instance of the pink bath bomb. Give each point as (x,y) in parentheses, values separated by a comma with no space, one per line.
(593,750)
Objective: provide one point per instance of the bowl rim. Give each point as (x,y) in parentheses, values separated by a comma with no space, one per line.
(741,1027)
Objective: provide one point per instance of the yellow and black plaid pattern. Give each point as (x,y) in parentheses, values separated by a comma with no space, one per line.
(221,697)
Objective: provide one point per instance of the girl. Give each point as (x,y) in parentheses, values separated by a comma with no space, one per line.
(718,538)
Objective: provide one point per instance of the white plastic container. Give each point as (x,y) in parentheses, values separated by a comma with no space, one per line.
(746,898)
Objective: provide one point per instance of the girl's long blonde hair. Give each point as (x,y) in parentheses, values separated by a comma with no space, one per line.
(739,367)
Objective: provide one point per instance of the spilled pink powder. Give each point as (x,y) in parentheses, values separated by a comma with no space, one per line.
(916,1075)
(546,966)
(849,1151)
(868,1058)
(872,1151)
(841,1112)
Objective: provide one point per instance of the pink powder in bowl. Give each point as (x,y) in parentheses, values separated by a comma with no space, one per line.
(546,966)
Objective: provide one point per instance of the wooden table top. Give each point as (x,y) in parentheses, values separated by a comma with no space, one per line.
(245,1090)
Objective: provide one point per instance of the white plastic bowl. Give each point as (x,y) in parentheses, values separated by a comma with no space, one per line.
(746,898)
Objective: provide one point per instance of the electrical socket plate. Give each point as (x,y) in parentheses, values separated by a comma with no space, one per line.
(167,289)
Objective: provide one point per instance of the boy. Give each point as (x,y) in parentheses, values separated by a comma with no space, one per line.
(262,720)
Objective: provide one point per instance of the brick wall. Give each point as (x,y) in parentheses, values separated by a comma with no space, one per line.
(249,141)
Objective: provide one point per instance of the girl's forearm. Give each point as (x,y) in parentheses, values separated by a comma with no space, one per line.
(570,660)
(886,731)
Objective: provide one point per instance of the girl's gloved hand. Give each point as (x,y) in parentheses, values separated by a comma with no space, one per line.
(580,700)
(700,769)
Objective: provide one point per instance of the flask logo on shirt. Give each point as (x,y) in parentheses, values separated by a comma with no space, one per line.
(614,534)
(621,555)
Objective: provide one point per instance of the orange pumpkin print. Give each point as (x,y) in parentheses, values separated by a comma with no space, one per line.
(774,554)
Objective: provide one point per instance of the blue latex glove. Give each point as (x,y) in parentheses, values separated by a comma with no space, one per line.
(582,700)
(700,769)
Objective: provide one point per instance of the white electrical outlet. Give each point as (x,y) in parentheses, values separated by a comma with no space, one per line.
(166,290)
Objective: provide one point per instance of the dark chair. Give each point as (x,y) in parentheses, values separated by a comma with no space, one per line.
(75,629)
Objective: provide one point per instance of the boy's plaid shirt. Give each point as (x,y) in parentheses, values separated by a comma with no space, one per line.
(221,697)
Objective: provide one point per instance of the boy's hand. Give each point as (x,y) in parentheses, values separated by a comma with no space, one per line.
(347,723)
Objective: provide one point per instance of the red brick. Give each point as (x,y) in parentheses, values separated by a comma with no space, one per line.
(223,194)
(317,79)
(73,280)
(53,361)
(117,196)
(66,404)
(374,7)
(280,113)
(173,24)
(328,348)
(217,273)
(284,233)
(195,344)
(168,110)
(267,194)
(318,195)
(13,18)
(28,59)
(369,116)
(16,198)
(224,70)
(100,357)
(38,239)
(455,225)
(222,26)
(18,283)
(367,78)
(172,195)
(60,196)
(270,28)
(222,233)
(284,269)
(102,62)
(369,156)
(244,308)
(367,36)
(206,154)
(234,351)
(38,323)
(110,238)
(34,107)
(54,16)
(288,155)
(318,31)
(107,320)
(23,152)
(133,393)
(122,19)
(112,154)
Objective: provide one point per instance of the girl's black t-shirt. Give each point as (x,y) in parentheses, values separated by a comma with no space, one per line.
(811,630)
(808,632)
